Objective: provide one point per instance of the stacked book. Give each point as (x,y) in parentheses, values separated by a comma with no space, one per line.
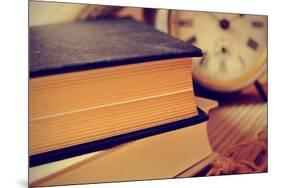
(98,84)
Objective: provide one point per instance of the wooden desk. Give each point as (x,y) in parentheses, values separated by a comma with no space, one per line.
(236,120)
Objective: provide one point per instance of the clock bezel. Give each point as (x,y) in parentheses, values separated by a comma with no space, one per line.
(246,79)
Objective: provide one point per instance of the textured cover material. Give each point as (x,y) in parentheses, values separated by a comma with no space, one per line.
(68,47)
(79,46)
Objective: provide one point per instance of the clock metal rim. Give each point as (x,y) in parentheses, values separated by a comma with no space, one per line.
(245,80)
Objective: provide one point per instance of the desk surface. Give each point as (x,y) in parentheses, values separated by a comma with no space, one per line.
(237,120)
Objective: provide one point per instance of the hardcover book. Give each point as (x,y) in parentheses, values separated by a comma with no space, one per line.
(179,153)
(97,84)
(112,94)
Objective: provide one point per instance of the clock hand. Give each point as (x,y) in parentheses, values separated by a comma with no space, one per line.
(222,66)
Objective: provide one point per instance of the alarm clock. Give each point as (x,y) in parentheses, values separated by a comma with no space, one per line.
(234,46)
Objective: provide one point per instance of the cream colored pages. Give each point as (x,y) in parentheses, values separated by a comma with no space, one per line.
(206,104)
(45,170)
(160,156)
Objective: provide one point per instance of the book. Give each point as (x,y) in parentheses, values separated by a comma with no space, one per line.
(96,84)
(186,151)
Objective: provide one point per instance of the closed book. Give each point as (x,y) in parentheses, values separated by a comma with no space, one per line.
(97,84)
(180,153)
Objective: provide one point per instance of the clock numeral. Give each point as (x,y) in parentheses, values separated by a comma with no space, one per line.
(257,24)
(204,59)
(192,40)
(252,44)
(185,23)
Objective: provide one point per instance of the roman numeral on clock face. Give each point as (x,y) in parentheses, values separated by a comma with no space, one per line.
(185,22)
(191,40)
(257,24)
(222,66)
(203,61)
(252,44)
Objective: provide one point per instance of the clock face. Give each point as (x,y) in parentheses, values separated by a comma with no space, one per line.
(234,46)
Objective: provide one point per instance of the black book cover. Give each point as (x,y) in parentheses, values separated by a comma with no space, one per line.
(68,47)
